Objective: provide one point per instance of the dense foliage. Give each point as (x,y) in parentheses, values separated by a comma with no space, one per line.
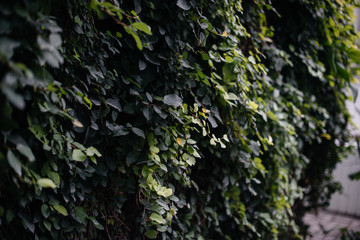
(178,119)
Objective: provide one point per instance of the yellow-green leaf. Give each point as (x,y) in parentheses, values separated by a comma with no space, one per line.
(253,105)
(46,183)
(142,27)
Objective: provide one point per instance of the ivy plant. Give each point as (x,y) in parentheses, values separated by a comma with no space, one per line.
(171,119)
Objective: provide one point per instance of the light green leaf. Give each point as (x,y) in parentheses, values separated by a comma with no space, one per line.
(91,151)
(154,149)
(191,160)
(93,159)
(225,137)
(252,60)
(157,218)
(253,105)
(168,192)
(61,209)
(135,36)
(78,155)
(272,116)
(46,183)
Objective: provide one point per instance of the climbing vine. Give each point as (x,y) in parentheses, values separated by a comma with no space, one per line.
(171,120)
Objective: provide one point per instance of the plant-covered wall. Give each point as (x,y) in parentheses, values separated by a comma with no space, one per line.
(178,119)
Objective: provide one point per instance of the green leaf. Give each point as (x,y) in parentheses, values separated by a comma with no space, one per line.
(26,151)
(46,183)
(252,60)
(91,151)
(157,218)
(254,106)
(78,155)
(131,158)
(81,214)
(354,54)
(225,137)
(93,159)
(114,103)
(173,100)
(16,99)
(168,192)
(151,234)
(190,160)
(120,131)
(61,209)
(142,27)
(139,132)
(96,223)
(154,149)
(163,167)
(47,224)
(14,162)
(272,116)
(135,36)
(45,210)
(183,4)
(7,47)
(54,176)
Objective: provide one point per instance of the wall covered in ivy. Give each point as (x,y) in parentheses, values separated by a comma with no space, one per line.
(178,119)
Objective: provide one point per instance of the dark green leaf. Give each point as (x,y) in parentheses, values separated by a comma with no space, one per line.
(183,4)
(47,224)
(80,213)
(131,158)
(7,47)
(120,131)
(14,162)
(96,223)
(138,132)
(114,103)
(26,151)
(173,100)
(16,99)
(45,210)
